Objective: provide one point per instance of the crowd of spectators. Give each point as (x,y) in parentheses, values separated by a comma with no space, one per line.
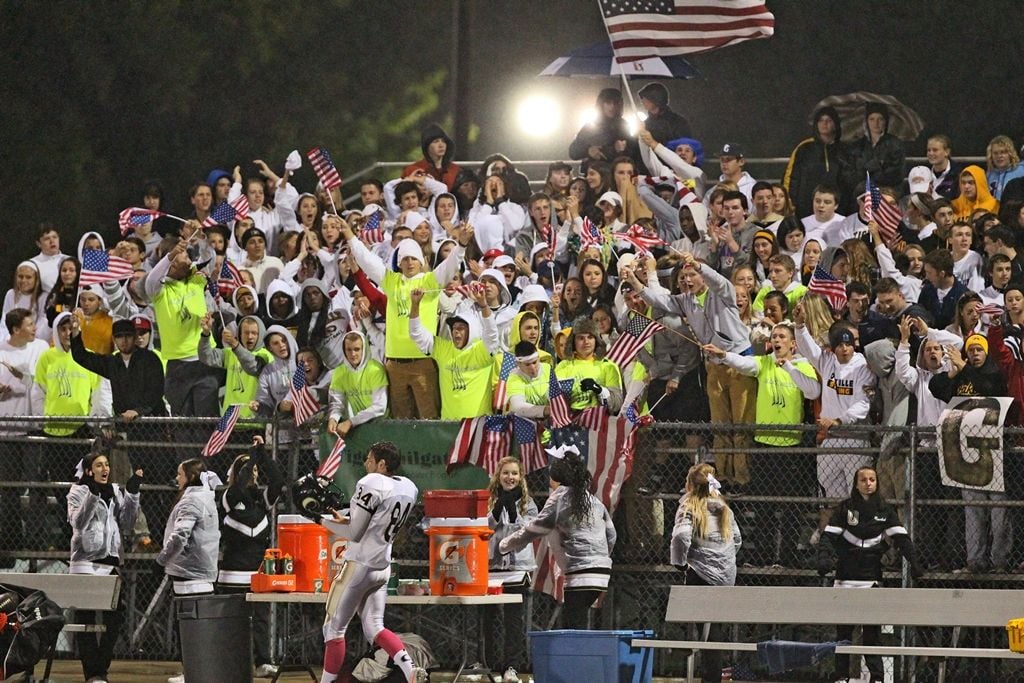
(473,272)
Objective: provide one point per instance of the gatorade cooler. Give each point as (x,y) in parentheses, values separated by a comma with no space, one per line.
(458,555)
(337,551)
(306,542)
(455,503)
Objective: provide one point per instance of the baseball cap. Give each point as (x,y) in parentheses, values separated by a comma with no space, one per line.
(731,149)
(560,166)
(493,254)
(611,197)
(123,328)
(919,178)
(502,261)
(143,324)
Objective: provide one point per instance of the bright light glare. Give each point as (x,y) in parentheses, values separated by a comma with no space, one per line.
(587,116)
(633,123)
(538,116)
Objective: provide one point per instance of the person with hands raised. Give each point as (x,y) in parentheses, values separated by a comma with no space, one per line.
(412,376)
(464,365)
(100,514)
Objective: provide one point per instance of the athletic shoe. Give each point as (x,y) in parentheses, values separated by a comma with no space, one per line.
(180,678)
(510,676)
(266,671)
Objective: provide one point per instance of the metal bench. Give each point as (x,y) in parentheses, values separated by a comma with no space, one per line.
(71,591)
(927,607)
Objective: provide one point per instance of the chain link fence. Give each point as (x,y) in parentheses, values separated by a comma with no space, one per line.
(781,496)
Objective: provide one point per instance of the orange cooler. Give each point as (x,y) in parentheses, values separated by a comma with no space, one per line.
(458,555)
(442,503)
(307,542)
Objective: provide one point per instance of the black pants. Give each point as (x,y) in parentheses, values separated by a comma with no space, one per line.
(260,623)
(97,649)
(871,635)
(710,660)
(191,389)
(504,631)
(576,610)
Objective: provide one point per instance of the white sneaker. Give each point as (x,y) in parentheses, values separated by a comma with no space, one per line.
(510,676)
(266,671)
(180,678)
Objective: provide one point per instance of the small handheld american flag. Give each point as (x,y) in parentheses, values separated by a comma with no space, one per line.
(133,217)
(508,364)
(330,466)
(558,401)
(228,280)
(99,267)
(590,235)
(304,405)
(637,332)
(222,432)
(831,288)
(225,212)
(324,167)
(372,232)
(470,289)
(641,239)
(887,216)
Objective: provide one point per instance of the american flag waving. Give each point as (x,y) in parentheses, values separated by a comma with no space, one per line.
(228,280)
(372,233)
(641,29)
(225,212)
(133,217)
(640,238)
(330,466)
(304,405)
(590,235)
(99,267)
(325,169)
(558,399)
(637,333)
(887,216)
(831,288)
(508,364)
(222,432)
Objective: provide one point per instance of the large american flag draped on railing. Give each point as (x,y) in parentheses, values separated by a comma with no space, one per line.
(222,432)
(527,436)
(324,167)
(99,267)
(640,29)
(481,441)
(826,285)
(608,446)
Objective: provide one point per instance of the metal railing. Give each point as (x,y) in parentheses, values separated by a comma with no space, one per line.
(777,508)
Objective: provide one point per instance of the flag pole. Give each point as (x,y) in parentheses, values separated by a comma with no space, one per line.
(616,64)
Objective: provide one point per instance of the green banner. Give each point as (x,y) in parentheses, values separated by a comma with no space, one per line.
(424,446)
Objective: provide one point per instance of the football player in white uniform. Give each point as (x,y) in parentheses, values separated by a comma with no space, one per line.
(379,509)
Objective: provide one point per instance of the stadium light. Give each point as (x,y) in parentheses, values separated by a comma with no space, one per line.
(539,116)
(588,115)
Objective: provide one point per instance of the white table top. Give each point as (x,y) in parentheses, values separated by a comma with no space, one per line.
(503,599)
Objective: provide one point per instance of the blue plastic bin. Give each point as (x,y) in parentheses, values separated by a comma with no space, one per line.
(568,656)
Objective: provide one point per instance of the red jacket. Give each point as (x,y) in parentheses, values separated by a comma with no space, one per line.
(1012,369)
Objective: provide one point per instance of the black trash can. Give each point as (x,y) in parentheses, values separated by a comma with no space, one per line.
(216,638)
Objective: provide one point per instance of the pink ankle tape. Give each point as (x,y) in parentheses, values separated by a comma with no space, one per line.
(389,642)
(334,655)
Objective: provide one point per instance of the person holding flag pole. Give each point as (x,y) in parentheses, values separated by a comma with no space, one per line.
(709,306)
